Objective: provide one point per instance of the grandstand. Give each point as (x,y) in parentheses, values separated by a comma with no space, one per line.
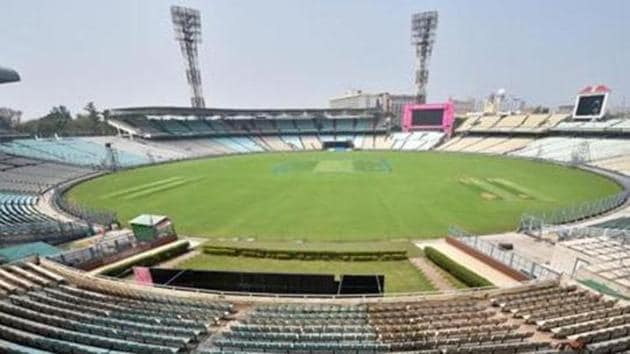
(46,307)
(74,151)
(563,269)
(53,308)
(19,208)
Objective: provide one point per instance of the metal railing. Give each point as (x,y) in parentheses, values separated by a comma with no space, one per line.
(88,214)
(531,269)
(533,223)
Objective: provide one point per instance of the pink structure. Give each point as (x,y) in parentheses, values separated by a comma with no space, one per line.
(427,117)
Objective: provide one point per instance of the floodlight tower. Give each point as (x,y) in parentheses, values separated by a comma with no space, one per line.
(423,27)
(187,25)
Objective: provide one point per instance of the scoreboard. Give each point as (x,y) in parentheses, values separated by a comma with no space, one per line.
(432,116)
(590,103)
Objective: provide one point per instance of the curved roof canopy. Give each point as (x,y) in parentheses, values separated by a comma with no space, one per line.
(8,75)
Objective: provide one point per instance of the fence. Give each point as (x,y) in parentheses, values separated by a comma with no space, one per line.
(534,223)
(85,213)
(511,259)
(89,215)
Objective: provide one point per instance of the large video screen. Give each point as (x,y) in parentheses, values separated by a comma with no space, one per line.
(427,117)
(590,105)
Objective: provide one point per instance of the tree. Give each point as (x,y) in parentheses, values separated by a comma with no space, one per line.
(60,121)
(93,113)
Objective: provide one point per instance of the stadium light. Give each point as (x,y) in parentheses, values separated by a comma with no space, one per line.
(423,28)
(187,26)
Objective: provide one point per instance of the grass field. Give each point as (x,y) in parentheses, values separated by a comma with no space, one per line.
(342,196)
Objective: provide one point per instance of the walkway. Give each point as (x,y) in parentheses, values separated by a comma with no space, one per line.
(432,272)
(494,276)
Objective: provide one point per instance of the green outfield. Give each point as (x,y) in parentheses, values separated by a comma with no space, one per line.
(342,196)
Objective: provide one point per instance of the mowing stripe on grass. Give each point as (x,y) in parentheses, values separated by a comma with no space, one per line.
(519,190)
(143,186)
(487,188)
(160,188)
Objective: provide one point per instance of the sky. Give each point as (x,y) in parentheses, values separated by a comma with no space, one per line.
(300,53)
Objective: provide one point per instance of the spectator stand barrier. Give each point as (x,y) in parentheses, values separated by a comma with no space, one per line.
(533,224)
(513,260)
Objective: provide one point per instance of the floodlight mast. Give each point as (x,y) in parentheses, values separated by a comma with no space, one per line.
(187,26)
(423,28)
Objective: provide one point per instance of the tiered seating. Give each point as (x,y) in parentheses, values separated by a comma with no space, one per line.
(231,145)
(621,223)
(460,144)
(399,139)
(49,231)
(276,143)
(534,121)
(302,328)
(618,163)
(485,123)
(311,142)
(510,122)
(584,320)
(486,143)
(506,146)
(43,312)
(154,151)
(604,248)
(554,119)
(19,208)
(248,144)
(69,150)
(460,325)
(33,176)
(603,125)
(293,141)
(568,149)
(467,124)
(48,307)
(383,142)
(457,324)
(420,141)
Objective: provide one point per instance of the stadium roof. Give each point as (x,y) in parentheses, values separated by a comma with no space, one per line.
(8,75)
(10,254)
(148,220)
(190,111)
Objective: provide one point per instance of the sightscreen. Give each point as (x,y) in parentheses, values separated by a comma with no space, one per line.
(590,105)
(421,117)
(278,283)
